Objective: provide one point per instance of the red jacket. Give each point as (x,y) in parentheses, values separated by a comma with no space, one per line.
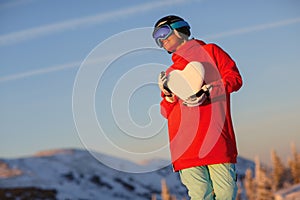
(204,134)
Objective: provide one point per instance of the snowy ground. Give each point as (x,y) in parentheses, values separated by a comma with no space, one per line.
(75,174)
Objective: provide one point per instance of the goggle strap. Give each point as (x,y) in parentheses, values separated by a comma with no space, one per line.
(179,24)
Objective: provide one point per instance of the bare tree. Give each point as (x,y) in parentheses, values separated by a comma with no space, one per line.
(249,185)
(165,194)
(294,165)
(153,197)
(278,173)
(263,183)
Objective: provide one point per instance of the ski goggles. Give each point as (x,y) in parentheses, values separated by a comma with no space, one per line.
(164,31)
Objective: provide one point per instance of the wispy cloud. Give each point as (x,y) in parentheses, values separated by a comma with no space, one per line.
(216,36)
(66,66)
(19,36)
(39,71)
(14,3)
(250,29)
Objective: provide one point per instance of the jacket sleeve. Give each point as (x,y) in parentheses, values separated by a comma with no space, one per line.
(231,79)
(166,107)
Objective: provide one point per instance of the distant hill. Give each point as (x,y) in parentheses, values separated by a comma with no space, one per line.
(75,174)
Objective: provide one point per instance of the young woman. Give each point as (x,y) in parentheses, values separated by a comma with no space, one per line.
(202,140)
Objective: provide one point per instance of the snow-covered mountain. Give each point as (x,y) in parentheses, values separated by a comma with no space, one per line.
(76,174)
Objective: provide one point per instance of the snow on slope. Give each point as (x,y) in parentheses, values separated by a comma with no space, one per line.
(242,165)
(75,174)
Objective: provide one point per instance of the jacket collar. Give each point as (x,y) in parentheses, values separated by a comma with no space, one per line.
(184,49)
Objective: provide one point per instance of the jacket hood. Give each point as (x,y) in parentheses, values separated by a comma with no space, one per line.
(185,48)
(200,42)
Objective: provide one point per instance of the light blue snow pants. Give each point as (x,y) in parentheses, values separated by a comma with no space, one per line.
(210,182)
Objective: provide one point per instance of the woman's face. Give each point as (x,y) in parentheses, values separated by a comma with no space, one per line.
(172,43)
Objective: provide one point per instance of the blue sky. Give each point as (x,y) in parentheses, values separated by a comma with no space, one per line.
(44,43)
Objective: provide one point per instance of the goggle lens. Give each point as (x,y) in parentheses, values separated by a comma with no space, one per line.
(162,33)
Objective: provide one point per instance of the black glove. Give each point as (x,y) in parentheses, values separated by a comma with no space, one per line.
(162,83)
(198,98)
